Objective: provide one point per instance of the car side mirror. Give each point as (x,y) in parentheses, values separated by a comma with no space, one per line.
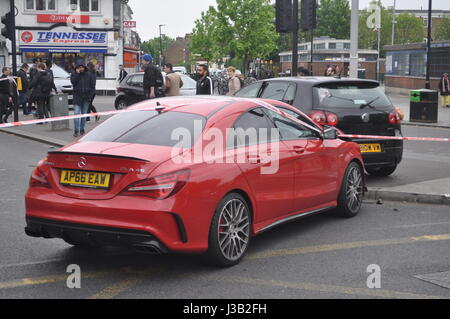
(330,133)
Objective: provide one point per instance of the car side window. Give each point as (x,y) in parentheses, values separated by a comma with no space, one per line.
(298,116)
(289,130)
(252,122)
(136,80)
(275,91)
(250,91)
(289,97)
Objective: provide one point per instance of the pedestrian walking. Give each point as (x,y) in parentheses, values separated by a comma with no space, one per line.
(23,91)
(42,85)
(204,83)
(173,81)
(444,88)
(93,73)
(83,91)
(49,65)
(330,71)
(234,82)
(153,80)
(122,73)
(6,94)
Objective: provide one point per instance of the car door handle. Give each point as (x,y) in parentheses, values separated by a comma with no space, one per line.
(299,149)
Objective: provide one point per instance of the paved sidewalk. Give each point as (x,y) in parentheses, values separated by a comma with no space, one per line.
(430,192)
(402,101)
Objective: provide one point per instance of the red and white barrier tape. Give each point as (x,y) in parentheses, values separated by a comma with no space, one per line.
(261,103)
(397,138)
(69,117)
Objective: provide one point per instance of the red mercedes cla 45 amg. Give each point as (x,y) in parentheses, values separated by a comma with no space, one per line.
(193,175)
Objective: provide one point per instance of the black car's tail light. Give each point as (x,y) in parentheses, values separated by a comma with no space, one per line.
(395,118)
(324,118)
(159,187)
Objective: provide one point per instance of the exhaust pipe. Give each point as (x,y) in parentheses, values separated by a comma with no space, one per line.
(147,249)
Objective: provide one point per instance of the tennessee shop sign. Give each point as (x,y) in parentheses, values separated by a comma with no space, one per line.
(63,40)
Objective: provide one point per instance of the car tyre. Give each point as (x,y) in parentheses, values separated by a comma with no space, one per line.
(352,191)
(381,171)
(121,104)
(229,234)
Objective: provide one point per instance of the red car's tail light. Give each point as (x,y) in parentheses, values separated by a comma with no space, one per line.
(38,178)
(394,118)
(159,187)
(332,119)
(324,118)
(318,117)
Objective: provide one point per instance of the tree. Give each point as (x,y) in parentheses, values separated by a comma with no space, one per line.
(409,29)
(333,19)
(442,32)
(245,29)
(204,36)
(153,46)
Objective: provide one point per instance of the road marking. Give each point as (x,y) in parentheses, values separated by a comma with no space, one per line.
(329,288)
(49,279)
(32,263)
(116,289)
(349,245)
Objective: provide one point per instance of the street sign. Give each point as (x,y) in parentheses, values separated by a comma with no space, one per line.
(129,24)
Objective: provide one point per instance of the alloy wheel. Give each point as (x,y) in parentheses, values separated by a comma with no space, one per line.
(354,192)
(233,229)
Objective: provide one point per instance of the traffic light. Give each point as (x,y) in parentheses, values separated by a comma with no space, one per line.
(7,31)
(283,19)
(308,15)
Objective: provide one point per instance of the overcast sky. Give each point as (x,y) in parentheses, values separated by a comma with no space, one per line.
(179,15)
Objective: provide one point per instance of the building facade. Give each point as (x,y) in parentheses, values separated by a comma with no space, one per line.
(70,32)
(329,51)
(406,65)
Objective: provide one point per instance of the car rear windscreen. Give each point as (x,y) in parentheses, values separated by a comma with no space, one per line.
(150,128)
(331,96)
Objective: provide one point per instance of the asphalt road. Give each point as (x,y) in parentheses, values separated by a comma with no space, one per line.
(318,257)
(422,161)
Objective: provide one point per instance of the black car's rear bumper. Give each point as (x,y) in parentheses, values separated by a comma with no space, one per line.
(140,241)
(391,153)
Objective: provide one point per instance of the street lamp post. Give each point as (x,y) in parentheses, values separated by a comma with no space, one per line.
(161,45)
(427,80)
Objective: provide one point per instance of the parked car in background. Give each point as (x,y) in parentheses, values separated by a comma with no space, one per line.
(62,82)
(354,106)
(180,69)
(131,90)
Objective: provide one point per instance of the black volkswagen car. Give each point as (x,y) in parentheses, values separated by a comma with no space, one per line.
(352,105)
(131,89)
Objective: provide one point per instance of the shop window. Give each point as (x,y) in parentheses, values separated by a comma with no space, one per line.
(41,5)
(85,5)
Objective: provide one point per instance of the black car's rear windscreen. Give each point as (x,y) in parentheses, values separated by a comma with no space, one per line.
(149,128)
(350,95)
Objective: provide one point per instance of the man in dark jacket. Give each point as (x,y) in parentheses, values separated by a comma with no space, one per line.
(6,94)
(83,92)
(204,82)
(42,85)
(153,80)
(23,93)
(122,73)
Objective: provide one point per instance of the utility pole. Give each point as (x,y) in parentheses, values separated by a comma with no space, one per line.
(295,38)
(427,80)
(394,21)
(354,39)
(161,45)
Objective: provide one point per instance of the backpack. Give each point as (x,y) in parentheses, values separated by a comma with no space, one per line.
(46,82)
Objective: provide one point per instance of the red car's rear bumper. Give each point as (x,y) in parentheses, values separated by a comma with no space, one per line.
(165,225)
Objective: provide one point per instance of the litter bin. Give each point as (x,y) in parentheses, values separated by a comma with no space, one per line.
(59,106)
(424,106)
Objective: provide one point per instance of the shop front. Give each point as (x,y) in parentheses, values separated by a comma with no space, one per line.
(65,47)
